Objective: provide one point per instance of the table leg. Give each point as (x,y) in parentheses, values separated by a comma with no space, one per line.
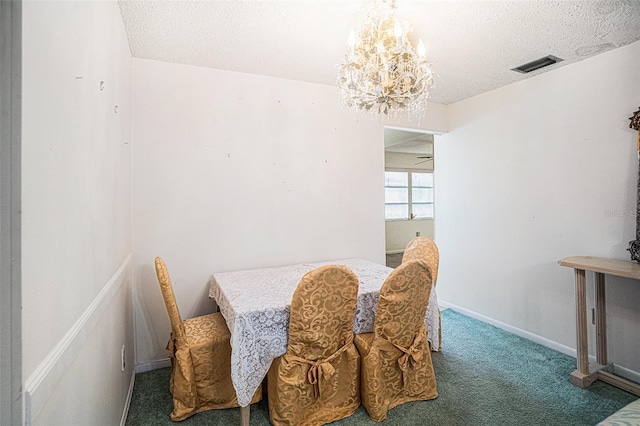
(581,377)
(244,415)
(581,323)
(601,321)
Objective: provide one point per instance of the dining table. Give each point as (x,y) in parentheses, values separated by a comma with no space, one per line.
(255,304)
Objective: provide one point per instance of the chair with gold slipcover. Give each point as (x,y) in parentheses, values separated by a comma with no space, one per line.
(426,249)
(200,352)
(317,380)
(396,360)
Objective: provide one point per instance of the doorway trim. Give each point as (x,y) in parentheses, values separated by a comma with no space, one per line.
(10,207)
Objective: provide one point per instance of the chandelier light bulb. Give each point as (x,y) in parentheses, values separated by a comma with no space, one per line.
(422,50)
(351,41)
(397,29)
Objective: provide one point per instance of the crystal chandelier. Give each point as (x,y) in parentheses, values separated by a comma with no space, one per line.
(382,72)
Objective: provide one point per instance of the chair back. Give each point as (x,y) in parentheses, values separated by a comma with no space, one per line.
(177,327)
(403,303)
(424,248)
(322,312)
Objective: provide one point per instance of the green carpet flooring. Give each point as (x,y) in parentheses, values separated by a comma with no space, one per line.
(485,377)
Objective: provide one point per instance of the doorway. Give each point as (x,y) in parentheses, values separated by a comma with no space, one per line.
(409,193)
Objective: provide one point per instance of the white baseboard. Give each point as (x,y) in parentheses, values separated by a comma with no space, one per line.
(619,370)
(395,251)
(634,376)
(153,365)
(513,330)
(127,403)
(40,385)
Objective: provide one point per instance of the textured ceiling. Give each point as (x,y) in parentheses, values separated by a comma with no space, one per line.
(471,44)
(407,142)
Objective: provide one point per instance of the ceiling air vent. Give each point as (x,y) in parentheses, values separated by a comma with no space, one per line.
(537,64)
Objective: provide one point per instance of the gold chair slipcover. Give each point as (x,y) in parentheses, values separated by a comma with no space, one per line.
(425,248)
(200,353)
(396,360)
(317,380)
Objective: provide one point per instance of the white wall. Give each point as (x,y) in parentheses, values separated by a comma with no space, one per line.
(533,172)
(435,121)
(399,232)
(235,171)
(76,217)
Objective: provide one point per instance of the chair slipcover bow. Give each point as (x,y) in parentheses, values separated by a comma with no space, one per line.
(321,369)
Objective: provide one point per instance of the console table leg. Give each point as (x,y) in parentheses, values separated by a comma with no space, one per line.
(601,321)
(581,323)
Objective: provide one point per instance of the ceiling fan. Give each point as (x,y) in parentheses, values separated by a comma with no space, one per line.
(428,158)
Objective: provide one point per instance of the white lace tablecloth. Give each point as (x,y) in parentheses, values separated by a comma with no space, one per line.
(255,304)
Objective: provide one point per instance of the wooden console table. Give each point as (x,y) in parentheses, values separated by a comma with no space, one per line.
(601,369)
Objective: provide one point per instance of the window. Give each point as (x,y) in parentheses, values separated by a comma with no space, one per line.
(408,195)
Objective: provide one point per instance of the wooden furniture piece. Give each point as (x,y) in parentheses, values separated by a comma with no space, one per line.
(255,304)
(586,374)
